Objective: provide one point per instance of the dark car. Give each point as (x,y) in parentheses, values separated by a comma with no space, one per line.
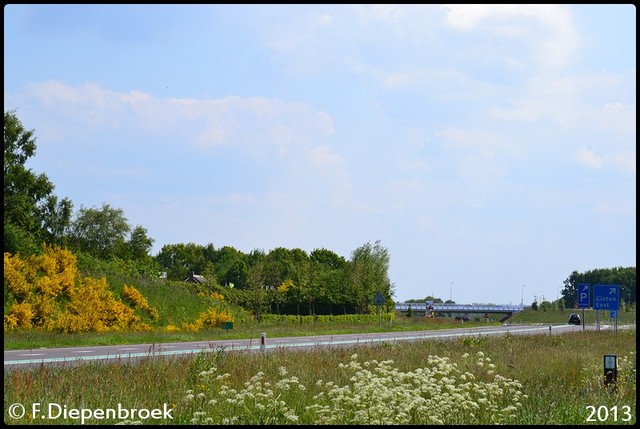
(574,319)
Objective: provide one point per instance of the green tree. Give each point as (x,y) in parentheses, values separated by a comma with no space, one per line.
(32,213)
(305,277)
(368,274)
(139,244)
(279,266)
(100,232)
(179,259)
(329,270)
(231,267)
(255,282)
(625,277)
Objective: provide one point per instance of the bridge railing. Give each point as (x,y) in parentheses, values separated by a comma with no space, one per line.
(458,308)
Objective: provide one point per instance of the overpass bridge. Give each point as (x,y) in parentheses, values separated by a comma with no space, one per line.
(466,309)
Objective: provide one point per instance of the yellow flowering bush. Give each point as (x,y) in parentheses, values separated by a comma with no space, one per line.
(209,319)
(93,307)
(19,316)
(48,294)
(57,271)
(17,273)
(41,281)
(217,296)
(171,328)
(139,301)
(285,286)
(213,295)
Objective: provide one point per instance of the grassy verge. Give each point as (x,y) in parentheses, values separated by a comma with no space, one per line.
(512,379)
(33,339)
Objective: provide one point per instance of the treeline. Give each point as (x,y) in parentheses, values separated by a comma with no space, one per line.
(282,281)
(625,277)
(289,281)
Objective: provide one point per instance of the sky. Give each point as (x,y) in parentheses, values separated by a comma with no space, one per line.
(491,149)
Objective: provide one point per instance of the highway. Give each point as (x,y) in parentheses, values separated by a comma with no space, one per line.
(122,353)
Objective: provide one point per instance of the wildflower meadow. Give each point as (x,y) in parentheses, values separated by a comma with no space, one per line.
(512,379)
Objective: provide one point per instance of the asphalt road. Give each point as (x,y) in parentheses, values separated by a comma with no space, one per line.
(14,359)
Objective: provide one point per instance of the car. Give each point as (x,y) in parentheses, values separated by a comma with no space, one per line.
(574,319)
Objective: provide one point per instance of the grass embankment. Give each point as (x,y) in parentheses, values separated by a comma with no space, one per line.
(530,379)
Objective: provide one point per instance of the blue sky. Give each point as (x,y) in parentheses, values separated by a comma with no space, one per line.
(490,148)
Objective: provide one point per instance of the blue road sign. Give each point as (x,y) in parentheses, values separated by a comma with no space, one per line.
(379,299)
(606,297)
(614,314)
(584,298)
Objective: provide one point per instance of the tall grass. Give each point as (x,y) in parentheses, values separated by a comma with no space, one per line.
(514,379)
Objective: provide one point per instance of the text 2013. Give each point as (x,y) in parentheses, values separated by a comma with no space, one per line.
(605,414)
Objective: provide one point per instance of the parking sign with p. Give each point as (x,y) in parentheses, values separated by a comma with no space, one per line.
(584,298)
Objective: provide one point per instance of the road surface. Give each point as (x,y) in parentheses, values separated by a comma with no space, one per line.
(78,355)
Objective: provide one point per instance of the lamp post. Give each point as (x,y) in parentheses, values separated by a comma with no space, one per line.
(522,300)
(451,291)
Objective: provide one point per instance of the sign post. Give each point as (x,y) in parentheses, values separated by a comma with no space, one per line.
(379,301)
(606,297)
(584,299)
(610,370)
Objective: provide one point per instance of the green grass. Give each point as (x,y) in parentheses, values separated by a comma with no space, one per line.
(32,339)
(561,376)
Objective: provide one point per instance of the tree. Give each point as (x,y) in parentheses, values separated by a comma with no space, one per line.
(368,274)
(139,244)
(279,266)
(625,277)
(255,283)
(33,215)
(100,232)
(328,258)
(230,267)
(179,259)
(329,276)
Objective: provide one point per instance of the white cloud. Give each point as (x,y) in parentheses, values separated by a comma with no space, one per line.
(481,144)
(253,124)
(625,162)
(549,27)
(573,101)
(619,117)
(324,158)
(589,158)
